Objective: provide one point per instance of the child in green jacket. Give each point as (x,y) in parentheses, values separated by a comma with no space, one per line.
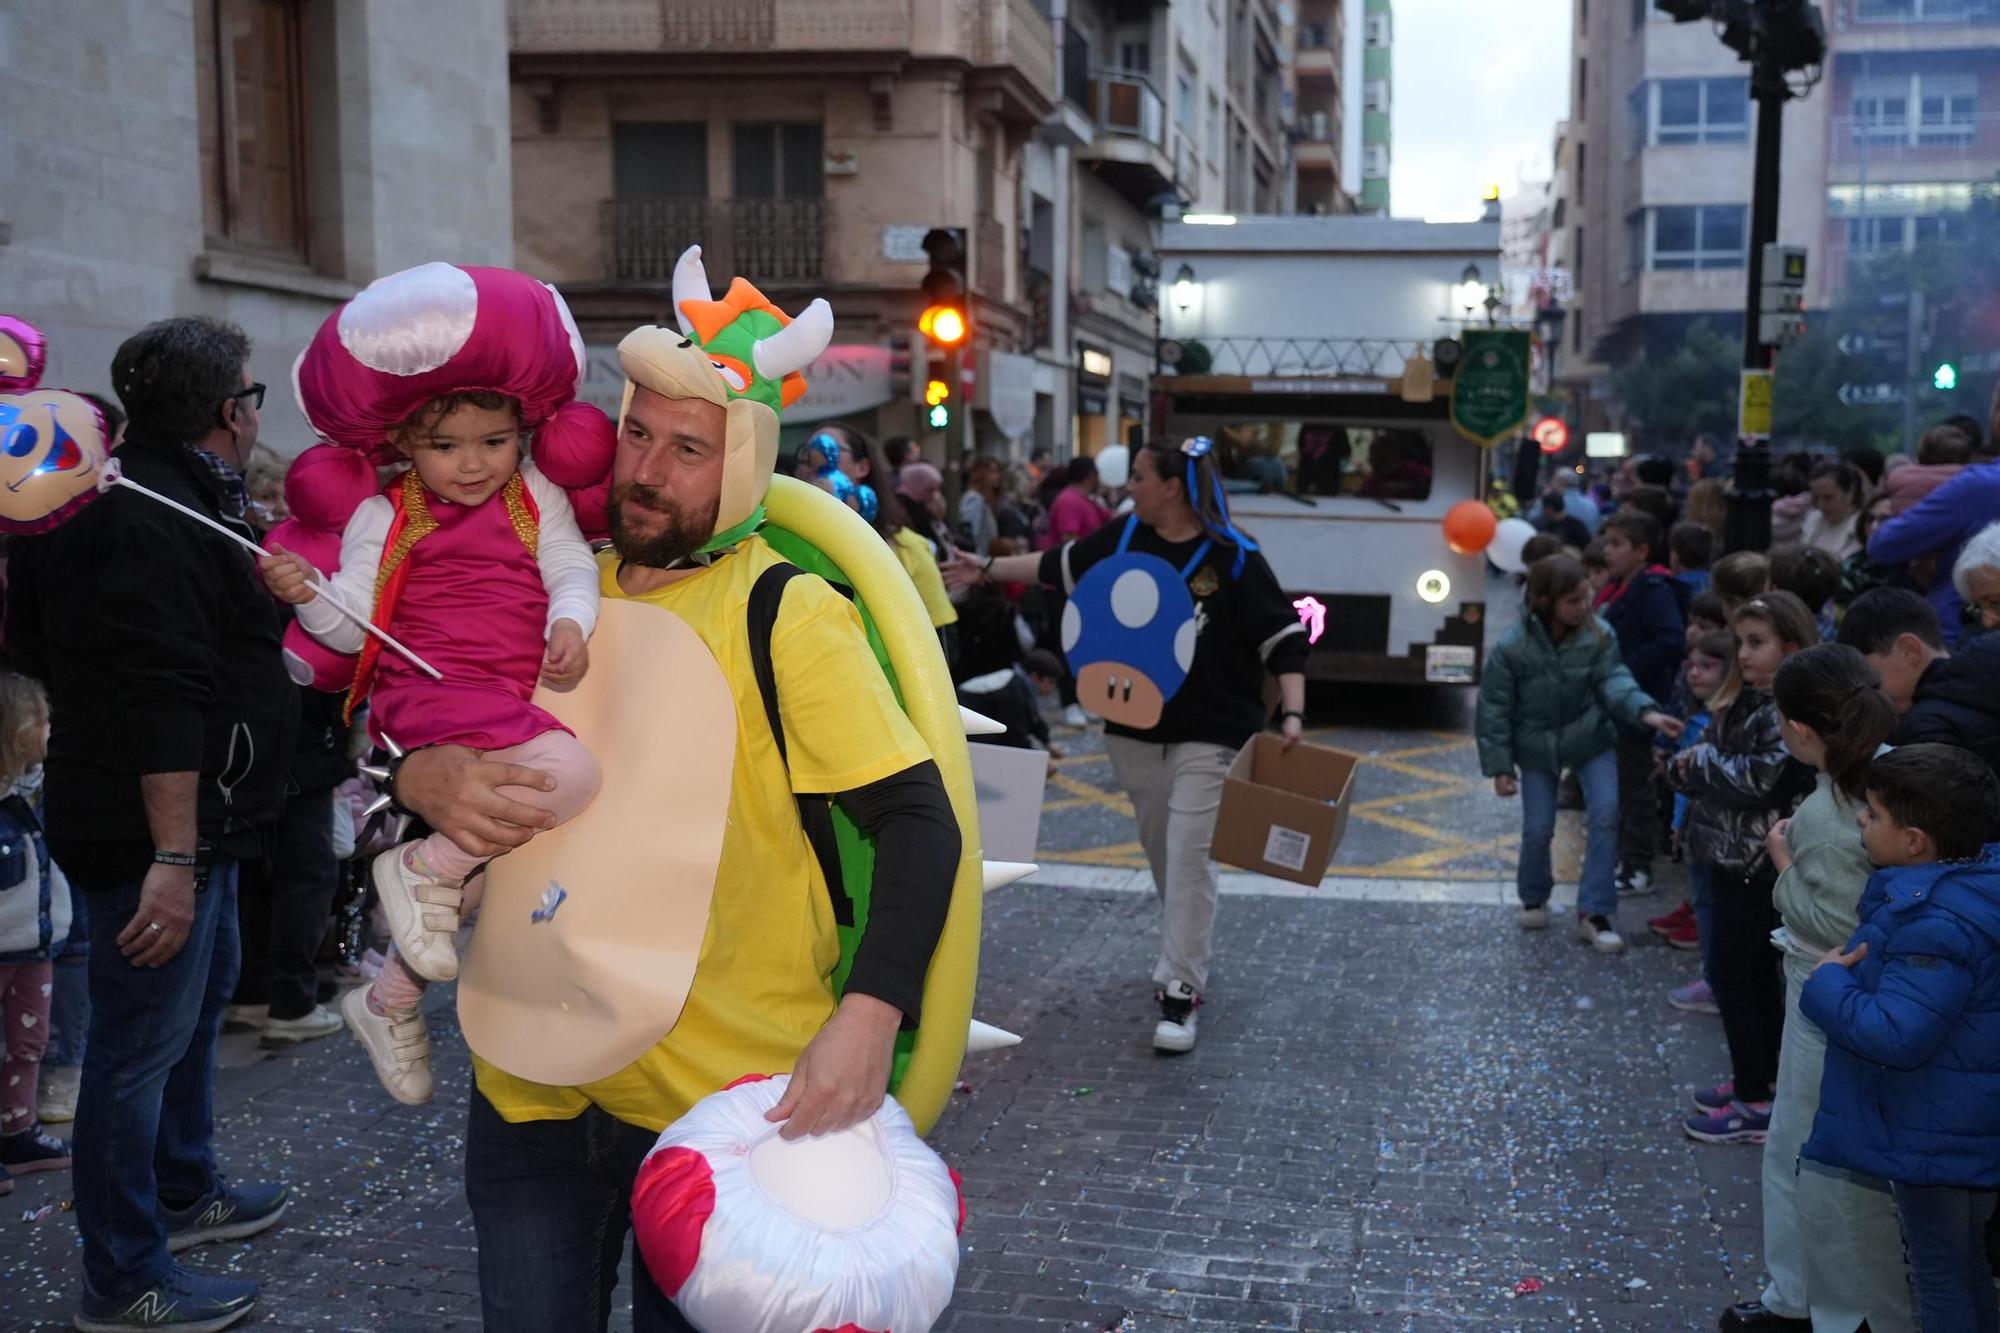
(1552,689)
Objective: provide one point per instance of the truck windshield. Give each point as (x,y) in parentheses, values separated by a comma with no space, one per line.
(1325,458)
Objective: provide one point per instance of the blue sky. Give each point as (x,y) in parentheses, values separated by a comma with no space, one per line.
(1479,87)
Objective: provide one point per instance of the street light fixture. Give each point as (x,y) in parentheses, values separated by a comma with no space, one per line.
(1469,289)
(1184,288)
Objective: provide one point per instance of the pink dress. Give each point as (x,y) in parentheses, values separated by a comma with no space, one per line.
(474,606)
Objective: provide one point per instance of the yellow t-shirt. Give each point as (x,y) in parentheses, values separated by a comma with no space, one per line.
(762,985)
(922,567)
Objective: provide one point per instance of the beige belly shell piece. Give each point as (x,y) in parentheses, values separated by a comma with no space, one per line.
(587,939)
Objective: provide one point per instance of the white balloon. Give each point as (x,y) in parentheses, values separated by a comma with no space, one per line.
(1508,539)
(1114,465)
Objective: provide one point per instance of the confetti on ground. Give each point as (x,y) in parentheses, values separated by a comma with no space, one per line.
(1527,1286)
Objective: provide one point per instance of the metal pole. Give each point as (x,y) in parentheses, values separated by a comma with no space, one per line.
(1750,504)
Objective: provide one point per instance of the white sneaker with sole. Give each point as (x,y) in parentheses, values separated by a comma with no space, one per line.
(1596,931)
(422,913)
(57,1100)
(1074,716)
(1534,918)
(1174,1033)
(397,1043)
(321,1022)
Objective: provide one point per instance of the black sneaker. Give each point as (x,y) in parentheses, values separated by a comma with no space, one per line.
(232,1212)
(1174,1034)
(1636,882)
(32,1150)
(182,1301)
(1756,1317)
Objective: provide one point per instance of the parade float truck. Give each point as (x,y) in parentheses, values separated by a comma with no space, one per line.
(1321,354)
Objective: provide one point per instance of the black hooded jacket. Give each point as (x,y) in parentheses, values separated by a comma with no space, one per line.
(160,649)
(1957,701)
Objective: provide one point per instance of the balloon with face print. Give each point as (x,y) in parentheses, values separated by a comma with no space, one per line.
(53,443)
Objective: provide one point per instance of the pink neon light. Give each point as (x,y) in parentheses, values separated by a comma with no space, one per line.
(1312,614)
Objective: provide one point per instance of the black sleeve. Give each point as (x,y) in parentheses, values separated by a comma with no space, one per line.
(25,639)
(917,847)
(1269,619)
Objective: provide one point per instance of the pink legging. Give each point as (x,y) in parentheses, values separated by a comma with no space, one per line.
(24,1007)
(556,753)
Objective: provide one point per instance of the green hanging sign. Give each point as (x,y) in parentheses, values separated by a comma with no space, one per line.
(1489,393)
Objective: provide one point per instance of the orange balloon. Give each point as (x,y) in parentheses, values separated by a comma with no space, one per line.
(1469,526)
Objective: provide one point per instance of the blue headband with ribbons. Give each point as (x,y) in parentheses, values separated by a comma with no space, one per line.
(1195,449)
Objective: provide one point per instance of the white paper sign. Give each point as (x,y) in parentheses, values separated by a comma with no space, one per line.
(1009,783)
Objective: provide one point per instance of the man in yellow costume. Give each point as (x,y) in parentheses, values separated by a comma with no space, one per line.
(549,1169)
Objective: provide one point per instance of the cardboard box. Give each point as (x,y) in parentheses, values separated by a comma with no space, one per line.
(1283,814)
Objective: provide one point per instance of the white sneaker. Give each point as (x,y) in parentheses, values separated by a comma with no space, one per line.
(398,1046)
(423,916)
(1534,918)
(57,1101)
(1074,716)
(1596,931)
(321,1022)
(244,1017)
(1174,1033)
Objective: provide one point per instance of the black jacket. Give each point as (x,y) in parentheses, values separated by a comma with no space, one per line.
(160,649)
(1652,631)
(1957,701)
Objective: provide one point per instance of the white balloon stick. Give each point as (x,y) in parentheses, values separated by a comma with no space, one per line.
(113,476)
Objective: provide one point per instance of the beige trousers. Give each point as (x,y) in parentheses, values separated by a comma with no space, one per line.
(1175,791)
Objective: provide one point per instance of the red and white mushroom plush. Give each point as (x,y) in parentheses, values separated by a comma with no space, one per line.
(855,1232)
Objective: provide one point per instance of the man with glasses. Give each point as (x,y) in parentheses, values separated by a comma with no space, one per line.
(173,726)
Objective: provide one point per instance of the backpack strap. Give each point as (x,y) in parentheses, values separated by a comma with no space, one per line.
(816,810)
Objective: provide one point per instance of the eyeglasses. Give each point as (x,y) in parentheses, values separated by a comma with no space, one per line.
(252,391)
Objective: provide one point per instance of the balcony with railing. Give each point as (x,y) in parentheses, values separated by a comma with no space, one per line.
(775,243)
(1944,141)
(693,27)
(1013,51)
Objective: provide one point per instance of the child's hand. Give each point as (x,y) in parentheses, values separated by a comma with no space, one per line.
(1670,727)
(1843,959)
(289,576)
(1780,848)
(568,656)
(1506,785)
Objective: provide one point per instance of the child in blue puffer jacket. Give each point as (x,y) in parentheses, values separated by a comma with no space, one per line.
(1911,1009)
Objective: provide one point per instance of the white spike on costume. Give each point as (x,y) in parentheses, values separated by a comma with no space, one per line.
(999,874)
(690,284)
(978,724)
(797,345)
(986,1037)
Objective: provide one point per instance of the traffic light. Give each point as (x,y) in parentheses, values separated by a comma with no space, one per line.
(1781,304)
(1946,377)
(905,353)
(946,320)
(937,388)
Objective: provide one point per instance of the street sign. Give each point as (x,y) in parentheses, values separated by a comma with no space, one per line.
(1606,444)
(1753,410)
(1551,434)
(1859,344)
(1869,395)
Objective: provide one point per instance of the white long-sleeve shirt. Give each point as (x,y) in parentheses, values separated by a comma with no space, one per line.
(569,570)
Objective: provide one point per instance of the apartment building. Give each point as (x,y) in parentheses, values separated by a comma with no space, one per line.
(1886,152)
(1320,84)
(1377,103)
(249,159)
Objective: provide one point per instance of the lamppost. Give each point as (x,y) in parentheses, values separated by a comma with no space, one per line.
(1469,290)
(1549,322)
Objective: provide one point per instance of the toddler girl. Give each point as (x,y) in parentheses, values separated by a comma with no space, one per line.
(1742,781)
(1712,684)
(473,559)
(34,922)
(1552,689)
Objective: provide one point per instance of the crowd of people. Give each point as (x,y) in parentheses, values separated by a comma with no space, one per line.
(1812,730)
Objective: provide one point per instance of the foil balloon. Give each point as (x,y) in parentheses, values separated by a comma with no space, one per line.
(53,444)
(823,452)
(752,1233)
(870,504)
(23,353)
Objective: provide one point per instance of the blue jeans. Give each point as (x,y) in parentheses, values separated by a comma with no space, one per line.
(1701,894)
(551,1206)
(69,1002)
(145,1119)
(1944,1232)
(1597,891)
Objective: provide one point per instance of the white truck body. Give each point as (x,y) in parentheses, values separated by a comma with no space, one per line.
(1306,324)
